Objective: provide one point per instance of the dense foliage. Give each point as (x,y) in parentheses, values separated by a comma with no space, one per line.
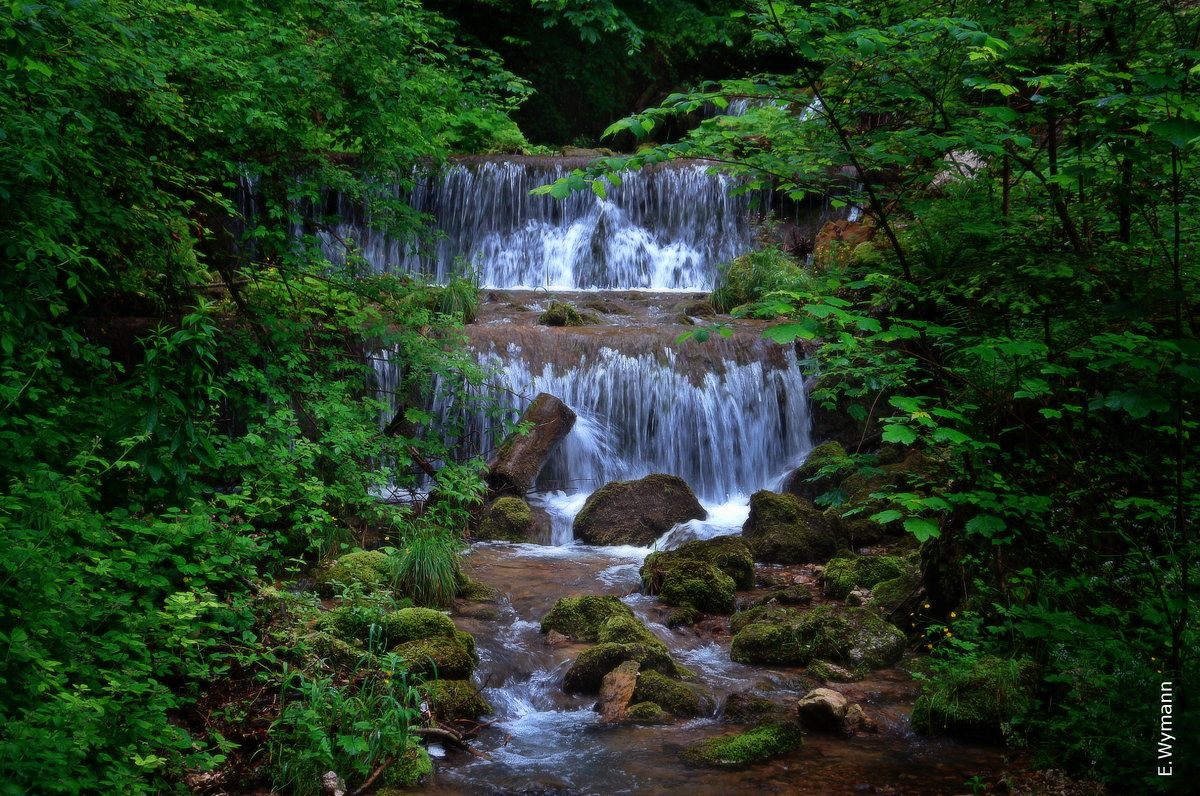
(1024,314)
(184,387)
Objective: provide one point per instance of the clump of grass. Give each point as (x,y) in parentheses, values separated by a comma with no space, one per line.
(426,568)
(754,276)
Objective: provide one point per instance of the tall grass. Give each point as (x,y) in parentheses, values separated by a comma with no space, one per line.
(754,276)
(426,567)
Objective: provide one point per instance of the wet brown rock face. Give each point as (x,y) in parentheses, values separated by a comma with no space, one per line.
(616,690)
(519,460)
(636,512)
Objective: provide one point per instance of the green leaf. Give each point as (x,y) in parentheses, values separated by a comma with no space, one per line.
(886,516)
(922,529)
(902,435)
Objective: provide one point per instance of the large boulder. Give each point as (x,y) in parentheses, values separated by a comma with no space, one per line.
(730,554)
(517,462)
(857,638)
(587,672)
(695,584)
(636,512)
(804,481)
(822,709)
(846,573)
(785,529)
(581,618)
(671,695)
(507,519)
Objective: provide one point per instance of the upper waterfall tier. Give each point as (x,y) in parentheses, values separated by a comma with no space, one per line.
(664,228)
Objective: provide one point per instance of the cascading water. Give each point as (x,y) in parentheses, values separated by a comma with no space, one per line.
(662,229)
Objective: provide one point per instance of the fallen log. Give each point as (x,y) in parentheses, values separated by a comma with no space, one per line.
(517,462)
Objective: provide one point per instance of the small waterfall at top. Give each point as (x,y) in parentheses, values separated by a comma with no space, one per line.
(663,228)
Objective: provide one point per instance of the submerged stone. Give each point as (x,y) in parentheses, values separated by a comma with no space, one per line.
(745,749)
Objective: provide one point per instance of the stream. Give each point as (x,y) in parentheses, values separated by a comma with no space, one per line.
(729,416)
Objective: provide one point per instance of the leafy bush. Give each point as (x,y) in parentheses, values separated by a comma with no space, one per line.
(755,276)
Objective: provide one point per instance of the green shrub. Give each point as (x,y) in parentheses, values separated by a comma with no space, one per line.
(754,276)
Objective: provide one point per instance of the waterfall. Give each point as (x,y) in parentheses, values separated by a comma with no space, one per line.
(663,228)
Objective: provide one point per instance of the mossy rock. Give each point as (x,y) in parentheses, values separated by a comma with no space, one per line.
(683,616)
(437,657)
(338,651)
(672,696)
(407,770)
(744,750)
(843,575)
(978,701)
(647,713)
(560,313)
(697,308)
(588,670)
(746,708)
(730,554)
(506,519)
(580,618)
(368,569)
(636,512)
(410,624)
(698,585)
(797,594)
(803,481)
(625,629)
(785,529)
(769,645)
(475,591)
(856,637)
(454,699)
(898,597)
(767,613)
(597,304)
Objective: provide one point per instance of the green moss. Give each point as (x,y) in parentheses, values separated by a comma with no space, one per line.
(892,595)
(752,276)
(647,713)
(797,594)
(581,617)
(855,637)
(730,554)
(407,770)
(410,624)
(588,670)
(746,749)
(976,699)
(507,519)
(338,651)
(366,568)
(745,708)
(684,616)
(477,592)
(454,699)
(698,585)
(805,482)
(436,657)
(674,697)
(625,629)
(559,313)
(843,575)
(785,529)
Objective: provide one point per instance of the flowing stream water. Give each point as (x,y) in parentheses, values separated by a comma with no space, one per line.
(729,417)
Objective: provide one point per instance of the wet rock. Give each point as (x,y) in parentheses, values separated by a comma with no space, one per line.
(698,585)
(684,616)
(598,304)
(437,657)
(624,629)
(519,460)
(746,749)
(857,638)
(796,594)
(977,700)
(507,519)
(857,720)
(636,512)
(822,709)
(556,639)
(672,696)
(828,672)
(898,597)
(588,670)
(745,708)
(560,313)
(454,699)
(616,690)
(803,481)
(475,591)
(581,617)
(647,713)
(730,554)
(785,529)
(846,573)
(369,569)
(697,308)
